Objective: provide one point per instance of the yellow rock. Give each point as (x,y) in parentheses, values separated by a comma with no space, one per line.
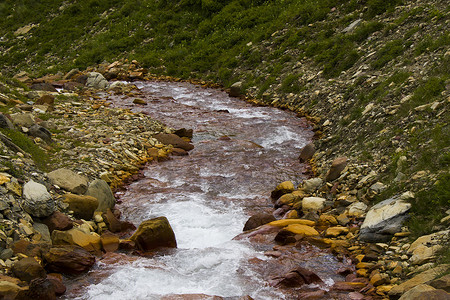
(327,220)
(364,265)
(336,231)
(4,179)
(302,229)
(292,214)
(362,273)
(286,222)
(290,199)
(360,257)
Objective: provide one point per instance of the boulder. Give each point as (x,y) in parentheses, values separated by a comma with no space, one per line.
(23,119)
(421,278)
(313,203)
(173,139)
(258,220)
(425,247)
(57,282)
(28,269)
(40,288)
(58,221)
(337,166)
(9,290)
(285,187)
(101,190)
(69,180)
(153,234)
(235,89)
(96,80)
(37,200)
(113,223)
(40,132)
(296,278)
(307,152)
(384,219)
(83,207)
(311,185)
(69,259)
(423,291)
(442,283)
(74,236)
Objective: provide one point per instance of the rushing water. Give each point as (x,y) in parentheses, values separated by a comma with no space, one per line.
(207,196)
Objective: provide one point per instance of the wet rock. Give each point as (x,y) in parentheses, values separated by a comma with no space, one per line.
(153,234)
(40,132)
(74,236)
(28,269)
(37,200)
(384,219)
(183,132)
(96,80)
(69,259)
(173,139)
(139,101)
(101,190)
(69,180)
(423,291)
(313,203)
(421,278)
(113,223)
(311,185)
(337,166)
(286,222)
(58,221)
(110,242)
(57,282)
(307,152)
(83,207)
(301,230)
(290,199)
(285,237)
(285,187)
(258,220)
(235,89)
(296,278)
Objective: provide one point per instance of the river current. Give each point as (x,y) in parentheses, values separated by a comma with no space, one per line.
(206,196)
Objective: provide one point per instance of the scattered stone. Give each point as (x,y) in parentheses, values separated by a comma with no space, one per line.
(96,80)
(336,231)
(296,278)
(23,119)
(313,203)
(301,230)
(311,185)
(307,152)
(58,221)
(285,187)
(5,122)
(338,165)
(40,132)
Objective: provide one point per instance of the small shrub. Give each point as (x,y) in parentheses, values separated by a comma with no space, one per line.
(390,51)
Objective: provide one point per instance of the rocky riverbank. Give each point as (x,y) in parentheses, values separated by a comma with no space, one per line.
(91,148)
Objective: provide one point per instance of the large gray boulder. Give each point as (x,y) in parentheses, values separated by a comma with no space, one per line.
(96,81)
(69,180)
(23,119)
(385,219)
(37,200)
(100,189)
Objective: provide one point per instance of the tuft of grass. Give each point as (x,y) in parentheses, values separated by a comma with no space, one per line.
(390,51)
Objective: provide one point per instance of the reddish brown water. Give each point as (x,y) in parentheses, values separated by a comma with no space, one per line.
(207,197)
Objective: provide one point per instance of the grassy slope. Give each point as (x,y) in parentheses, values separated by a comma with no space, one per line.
(285,51)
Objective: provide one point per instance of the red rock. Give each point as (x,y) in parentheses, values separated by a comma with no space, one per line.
(307,152)
(58,221)
(297,277)
(40,288)
(57,281)
(173,139)
(69,259)
(114,225)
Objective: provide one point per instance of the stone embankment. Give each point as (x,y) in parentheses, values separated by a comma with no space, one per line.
(58,222)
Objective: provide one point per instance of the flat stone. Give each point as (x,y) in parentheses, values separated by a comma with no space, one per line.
(286,222)
(336,231)
(301,229)
(69,180)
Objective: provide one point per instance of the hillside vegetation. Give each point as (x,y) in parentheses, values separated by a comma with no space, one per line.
(378,89)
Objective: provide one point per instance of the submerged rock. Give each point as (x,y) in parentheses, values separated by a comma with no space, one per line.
(154,233)
(173,139)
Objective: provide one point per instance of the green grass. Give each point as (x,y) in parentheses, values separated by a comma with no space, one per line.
(40,157)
